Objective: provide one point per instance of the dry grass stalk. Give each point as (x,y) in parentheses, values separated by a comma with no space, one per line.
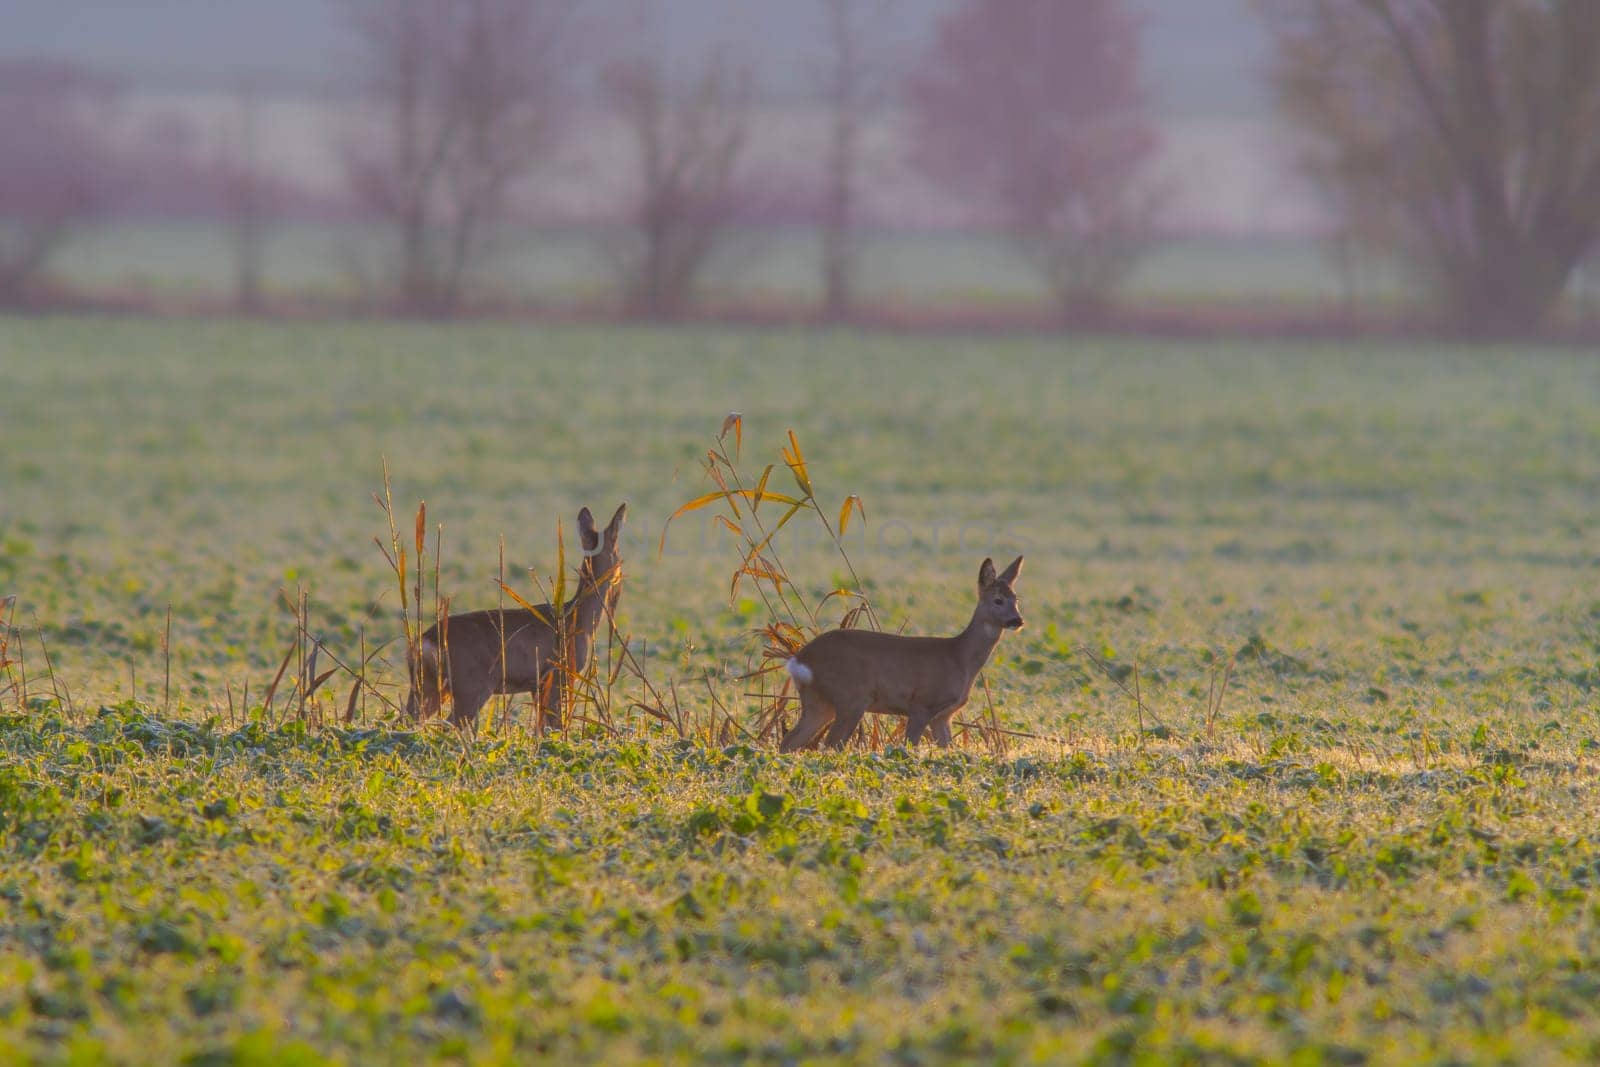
(166,665)
(58,688)
(13,688)
(1134,693)
(1218,689)
(791,619)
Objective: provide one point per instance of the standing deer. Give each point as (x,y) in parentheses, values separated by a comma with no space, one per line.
(478,654)
(843,674)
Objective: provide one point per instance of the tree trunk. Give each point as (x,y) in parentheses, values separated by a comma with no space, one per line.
(247,247)
(838,232)
(845,90)
(1510,296)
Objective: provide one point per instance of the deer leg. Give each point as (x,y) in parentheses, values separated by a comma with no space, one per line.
(429,705)
(940,725)
(547,699)
(423,699)
(465,703)
(935,720)
(844,727)
(815,714)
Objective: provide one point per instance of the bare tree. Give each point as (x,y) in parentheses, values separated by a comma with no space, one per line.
(56,166)
(1461,137)
(853,82)
(245,193)
(688,146)
(1036,108)
(470,95)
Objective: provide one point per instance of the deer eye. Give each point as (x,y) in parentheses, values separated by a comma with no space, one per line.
(999,600)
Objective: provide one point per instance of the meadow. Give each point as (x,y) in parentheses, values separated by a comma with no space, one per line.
(1308,689)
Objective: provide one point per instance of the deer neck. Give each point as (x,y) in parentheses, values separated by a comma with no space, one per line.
(591,603)
(975,644)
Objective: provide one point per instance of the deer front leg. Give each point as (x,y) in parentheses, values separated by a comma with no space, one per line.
(465,702)
(935,718)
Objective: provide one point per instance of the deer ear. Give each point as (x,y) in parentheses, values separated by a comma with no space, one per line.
(614,527)
(986,574)
(586,535)
(1009,575)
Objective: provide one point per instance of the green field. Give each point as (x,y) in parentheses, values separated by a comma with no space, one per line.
(1377,847)
(778,264)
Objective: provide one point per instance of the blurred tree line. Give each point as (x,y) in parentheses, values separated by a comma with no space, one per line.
(1459,139)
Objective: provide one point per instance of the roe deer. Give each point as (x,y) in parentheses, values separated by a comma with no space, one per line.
(843,674)
(514,650)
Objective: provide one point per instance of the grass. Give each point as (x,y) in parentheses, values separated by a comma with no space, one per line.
(1373,844)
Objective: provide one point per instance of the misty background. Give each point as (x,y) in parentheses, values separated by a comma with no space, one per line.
(1238,220)
(1205,64)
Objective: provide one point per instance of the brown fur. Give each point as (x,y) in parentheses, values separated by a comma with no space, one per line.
(478,654)
(925,679)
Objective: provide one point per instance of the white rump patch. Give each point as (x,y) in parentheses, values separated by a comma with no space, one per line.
(798,671)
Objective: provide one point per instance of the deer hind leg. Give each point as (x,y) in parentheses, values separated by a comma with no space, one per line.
(427,689)
(547,701)
(815,714)
(844,727)
(431,701)
(416,703)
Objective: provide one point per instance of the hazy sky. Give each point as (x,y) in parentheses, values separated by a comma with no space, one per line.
(1202,54)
